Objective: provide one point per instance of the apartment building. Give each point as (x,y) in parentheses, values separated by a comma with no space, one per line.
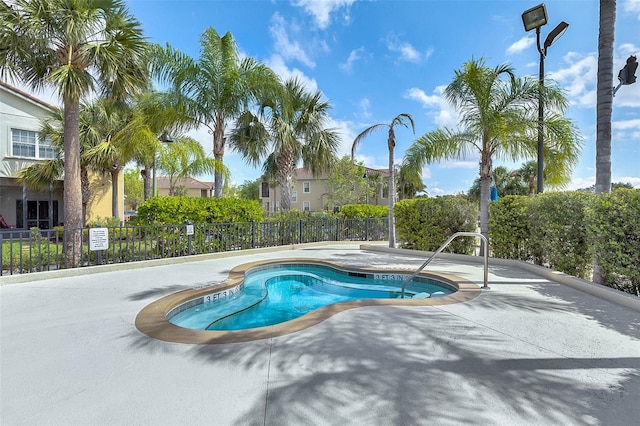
(311,194)
(20,147)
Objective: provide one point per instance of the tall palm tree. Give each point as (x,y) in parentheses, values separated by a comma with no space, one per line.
(399,120)
(604,102)
(497,121)
(213,90)
(290,126)
(77,47)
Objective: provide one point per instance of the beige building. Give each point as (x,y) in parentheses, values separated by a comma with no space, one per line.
(310,193)
(188,187)
(20,147)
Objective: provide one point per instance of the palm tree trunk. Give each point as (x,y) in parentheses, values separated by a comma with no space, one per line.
(219,142)
(146,181)
(115,173)
(485,194)
(392,190)
(604,104)
(72,183)
(604,95)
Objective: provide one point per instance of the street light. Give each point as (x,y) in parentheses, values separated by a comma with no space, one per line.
(535,18)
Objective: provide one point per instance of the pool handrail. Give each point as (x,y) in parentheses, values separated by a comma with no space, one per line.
(485,246)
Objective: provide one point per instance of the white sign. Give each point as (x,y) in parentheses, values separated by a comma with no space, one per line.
(98,239)
(189,229)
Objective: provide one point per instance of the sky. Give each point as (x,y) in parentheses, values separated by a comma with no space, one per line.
(376,59)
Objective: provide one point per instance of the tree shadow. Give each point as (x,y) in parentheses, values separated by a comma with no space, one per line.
(398,365)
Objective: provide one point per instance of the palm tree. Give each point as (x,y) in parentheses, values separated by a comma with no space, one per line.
(290,126)
(409,182)
(76,47)
(497,121)
(213,90)
(184,158)
(399,120)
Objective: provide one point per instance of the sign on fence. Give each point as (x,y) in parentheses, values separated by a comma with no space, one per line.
(98,239)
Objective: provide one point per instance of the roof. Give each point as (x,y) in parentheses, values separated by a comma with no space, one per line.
(189,183)
(25,95)
(302,173)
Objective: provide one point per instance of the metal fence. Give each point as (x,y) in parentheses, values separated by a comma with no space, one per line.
(24,251)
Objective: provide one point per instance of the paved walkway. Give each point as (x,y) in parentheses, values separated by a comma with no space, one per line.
(527,351)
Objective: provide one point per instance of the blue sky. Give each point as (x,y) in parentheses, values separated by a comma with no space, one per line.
(376,59)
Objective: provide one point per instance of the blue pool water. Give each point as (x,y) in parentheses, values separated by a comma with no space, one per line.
(277,293)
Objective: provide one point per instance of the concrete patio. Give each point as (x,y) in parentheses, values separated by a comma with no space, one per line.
(530,350)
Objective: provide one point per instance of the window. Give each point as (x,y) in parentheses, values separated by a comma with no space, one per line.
(385,190)
(306,187)
(306,206)
(265,189)
(294,196)
(25,143)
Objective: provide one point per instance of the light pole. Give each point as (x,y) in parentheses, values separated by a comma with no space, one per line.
(535,18)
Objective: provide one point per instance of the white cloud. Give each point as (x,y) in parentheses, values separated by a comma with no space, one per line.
(321,10)
(406,50)
(523,44)
(459,164)
(626,124)
(354,56)
(277,64)
(442,113)
(425,173)
(347,135)
(632,7)
(284,46)
(634,181)
(365,105)
(579,78)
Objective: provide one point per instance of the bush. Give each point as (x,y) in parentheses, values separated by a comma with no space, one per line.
(614,228)
(426,223)
(509,233)
(559,232)
(362,211)
(178,210)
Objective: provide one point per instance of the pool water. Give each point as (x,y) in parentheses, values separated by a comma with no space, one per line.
(278,293)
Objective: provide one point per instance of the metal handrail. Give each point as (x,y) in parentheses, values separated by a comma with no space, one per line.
(485,243)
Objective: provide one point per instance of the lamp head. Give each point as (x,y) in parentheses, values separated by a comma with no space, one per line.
(535,17)
(555,33)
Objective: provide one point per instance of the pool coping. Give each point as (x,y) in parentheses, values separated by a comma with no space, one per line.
(152,319)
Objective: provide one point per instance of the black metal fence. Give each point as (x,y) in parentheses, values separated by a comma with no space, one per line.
(24,251)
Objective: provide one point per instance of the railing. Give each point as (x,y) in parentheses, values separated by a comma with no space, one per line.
(485,251)
(23,251)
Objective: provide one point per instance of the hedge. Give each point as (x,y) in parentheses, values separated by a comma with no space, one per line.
(176,210)
(362,211)
(614,228)
(509,230)
(426,223)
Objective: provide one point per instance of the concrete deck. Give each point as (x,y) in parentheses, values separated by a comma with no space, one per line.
(528,351)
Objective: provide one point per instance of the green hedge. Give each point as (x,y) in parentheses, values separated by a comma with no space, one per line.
(363,211)
(558,226)
(565,230)
(614,228)
(176,210)
(509,230)
(426,223)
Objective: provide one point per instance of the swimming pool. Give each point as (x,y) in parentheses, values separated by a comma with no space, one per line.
(274,294)
(237,294)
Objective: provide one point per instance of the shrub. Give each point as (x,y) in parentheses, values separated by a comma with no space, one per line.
(614,229)
(559,232)
(362,211)
(426,223)
(178,210)
(509,233)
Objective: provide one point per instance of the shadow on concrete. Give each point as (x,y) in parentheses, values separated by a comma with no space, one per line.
(410,366)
